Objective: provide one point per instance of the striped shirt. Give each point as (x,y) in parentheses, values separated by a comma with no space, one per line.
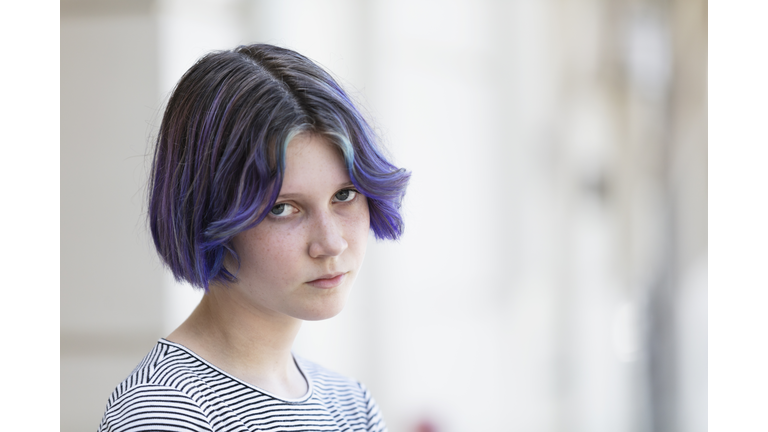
(173,389)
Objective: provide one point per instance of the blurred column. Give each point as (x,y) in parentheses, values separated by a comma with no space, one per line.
(659,92)
(597,326)
(688,192)
(111,298)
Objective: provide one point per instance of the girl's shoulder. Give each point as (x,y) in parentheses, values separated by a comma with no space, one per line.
(330,387)
(161,387)
(321,376)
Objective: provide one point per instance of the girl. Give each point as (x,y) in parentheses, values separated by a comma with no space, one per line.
(265,183)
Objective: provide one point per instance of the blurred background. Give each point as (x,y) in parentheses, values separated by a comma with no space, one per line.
(553,273)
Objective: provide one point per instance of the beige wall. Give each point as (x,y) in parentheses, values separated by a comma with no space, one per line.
(110,281)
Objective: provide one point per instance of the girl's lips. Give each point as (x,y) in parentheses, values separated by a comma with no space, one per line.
(328,282)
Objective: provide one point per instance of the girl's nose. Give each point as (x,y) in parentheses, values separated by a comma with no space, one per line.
(327,239)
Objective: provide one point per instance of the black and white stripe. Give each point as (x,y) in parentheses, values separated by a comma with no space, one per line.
(173,389)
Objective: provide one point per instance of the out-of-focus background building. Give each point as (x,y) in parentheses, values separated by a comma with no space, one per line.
(553,274)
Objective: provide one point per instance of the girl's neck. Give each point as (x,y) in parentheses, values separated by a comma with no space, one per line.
(252,345)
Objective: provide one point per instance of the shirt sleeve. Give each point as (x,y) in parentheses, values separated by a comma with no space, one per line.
(373,414)
(153,408)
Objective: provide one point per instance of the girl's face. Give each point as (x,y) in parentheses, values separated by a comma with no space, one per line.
(302,259)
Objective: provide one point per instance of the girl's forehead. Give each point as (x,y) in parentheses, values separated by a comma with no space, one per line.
(312,161)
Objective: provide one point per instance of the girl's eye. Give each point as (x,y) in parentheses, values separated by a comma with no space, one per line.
(345,195)
(282,210)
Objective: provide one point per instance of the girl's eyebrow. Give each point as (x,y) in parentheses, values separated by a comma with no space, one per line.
(292,195)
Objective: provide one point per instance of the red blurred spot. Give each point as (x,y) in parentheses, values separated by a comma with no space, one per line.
(426,426)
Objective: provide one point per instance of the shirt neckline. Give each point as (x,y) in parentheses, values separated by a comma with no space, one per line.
(301,399)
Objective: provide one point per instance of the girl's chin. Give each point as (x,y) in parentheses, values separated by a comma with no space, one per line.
(322,310)
(321,314)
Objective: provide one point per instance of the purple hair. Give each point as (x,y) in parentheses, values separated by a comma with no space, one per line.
(220,154)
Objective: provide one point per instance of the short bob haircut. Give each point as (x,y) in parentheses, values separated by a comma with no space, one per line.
(220,154)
